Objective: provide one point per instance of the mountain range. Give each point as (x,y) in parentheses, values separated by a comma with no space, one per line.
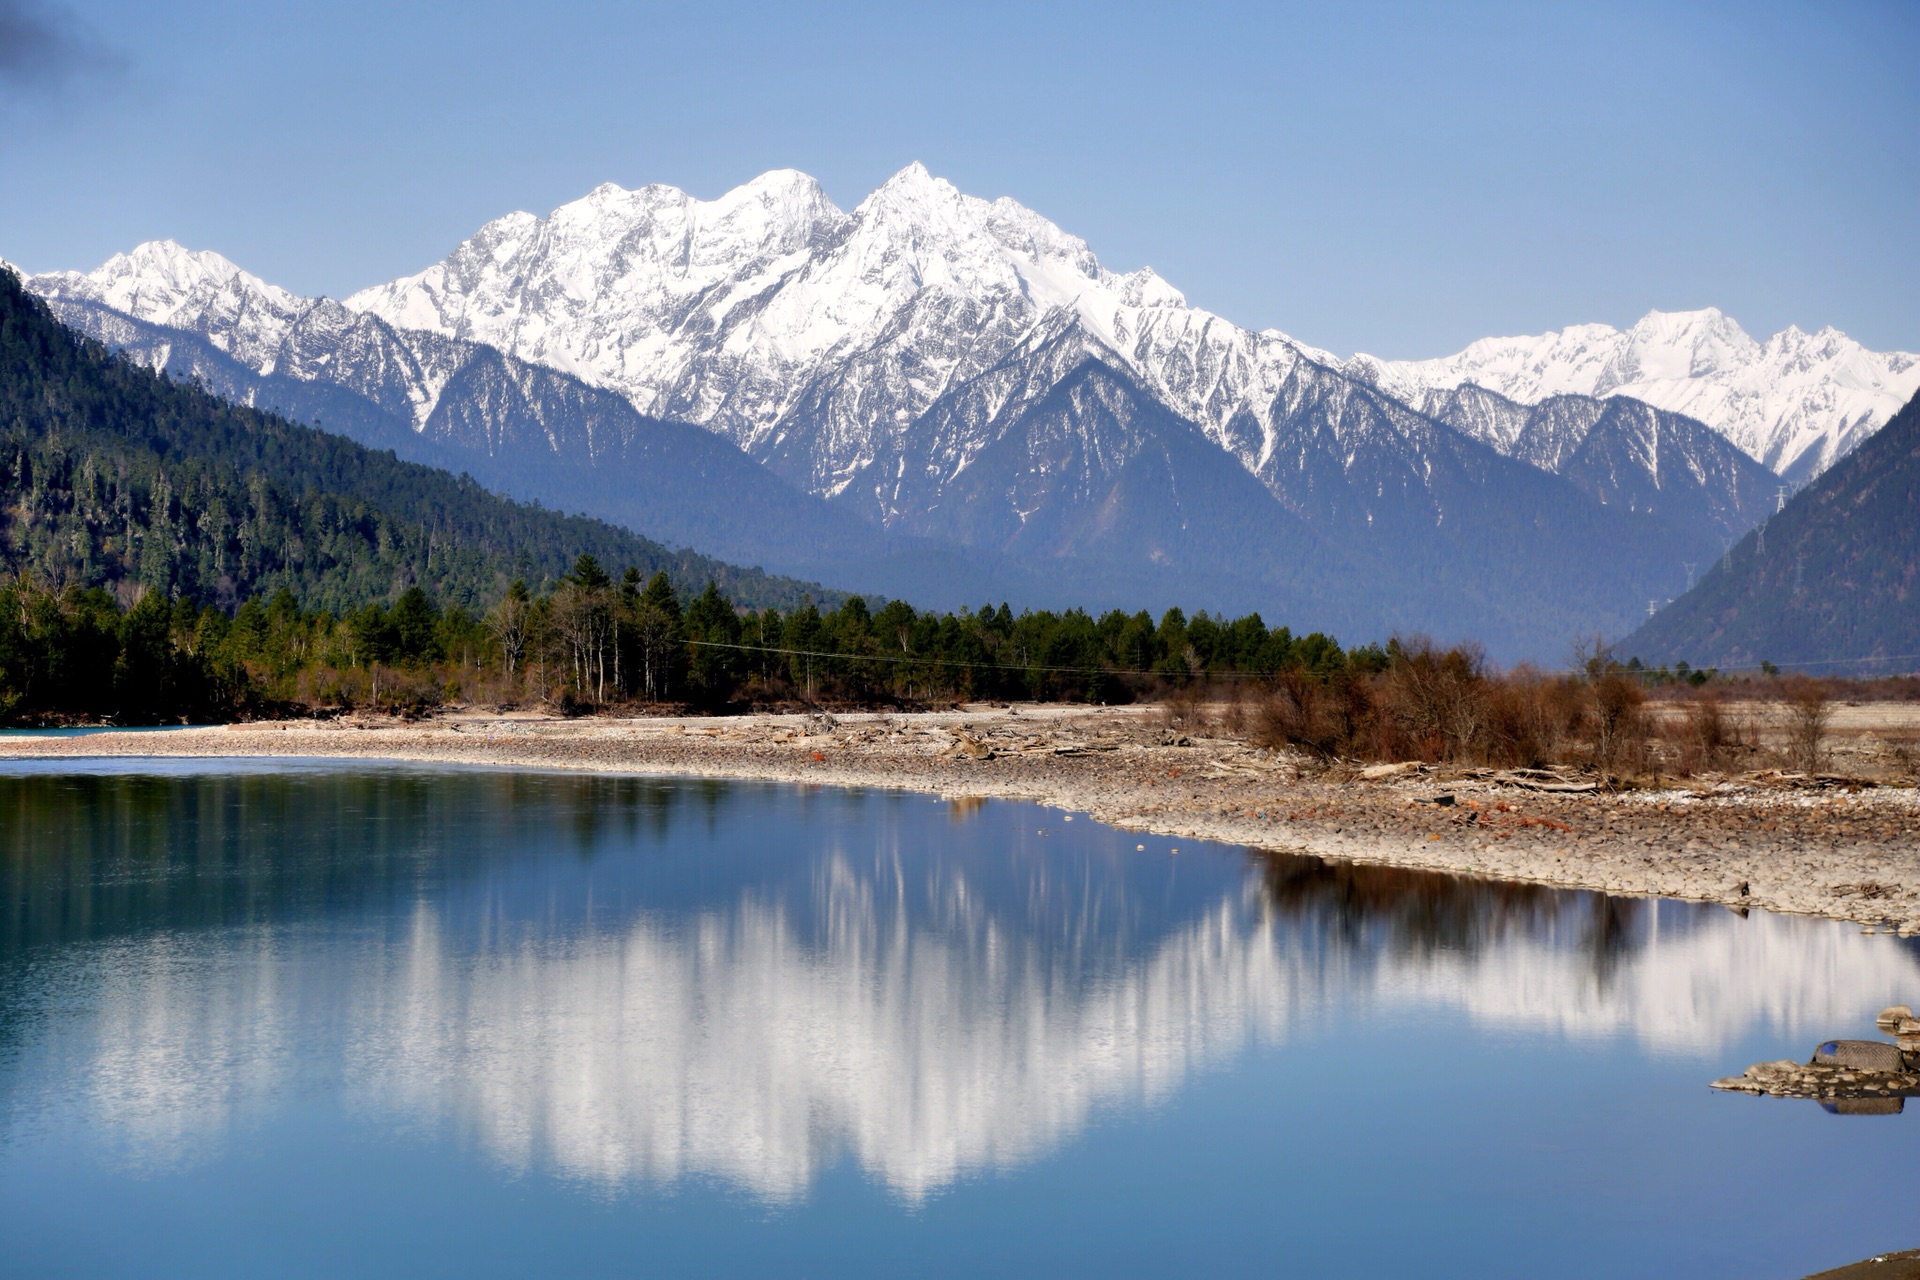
(937,396)
(1796,402)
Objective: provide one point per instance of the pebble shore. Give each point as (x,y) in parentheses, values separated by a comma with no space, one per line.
(1815,846)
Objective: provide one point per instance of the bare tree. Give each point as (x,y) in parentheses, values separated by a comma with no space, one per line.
(655,628)
(583,625)
(511,624)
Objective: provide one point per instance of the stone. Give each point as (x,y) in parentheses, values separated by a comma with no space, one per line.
(1772,1070)
(1907,1027)
(1892,1014)
(1860,1055)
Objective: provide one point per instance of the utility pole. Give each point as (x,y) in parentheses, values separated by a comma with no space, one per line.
(1688,565)
(1653,607)
(1760,547)
(1780,495)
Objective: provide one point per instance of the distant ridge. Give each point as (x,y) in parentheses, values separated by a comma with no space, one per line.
(1831,583)
(1795,403)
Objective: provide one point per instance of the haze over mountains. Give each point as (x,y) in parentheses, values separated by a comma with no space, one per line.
(939,397)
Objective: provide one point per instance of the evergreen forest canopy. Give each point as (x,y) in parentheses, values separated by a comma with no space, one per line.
(594,641)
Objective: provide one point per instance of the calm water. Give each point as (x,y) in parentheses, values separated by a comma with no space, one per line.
(381,1020)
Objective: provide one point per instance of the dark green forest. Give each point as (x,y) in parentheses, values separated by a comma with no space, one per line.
(595,641)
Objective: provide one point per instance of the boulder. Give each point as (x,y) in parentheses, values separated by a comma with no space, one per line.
(1860,1055)
(1894,1014)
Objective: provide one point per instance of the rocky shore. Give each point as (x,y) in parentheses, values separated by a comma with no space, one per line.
(1822,845)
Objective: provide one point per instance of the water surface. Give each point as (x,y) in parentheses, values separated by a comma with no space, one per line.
(326,1019)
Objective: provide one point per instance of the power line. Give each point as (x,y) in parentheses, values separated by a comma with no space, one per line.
(964,662)
(1135,671)
(1833,662)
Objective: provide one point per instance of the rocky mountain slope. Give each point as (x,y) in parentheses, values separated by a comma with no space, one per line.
(1623,452)
(1832,582)
(1796,402)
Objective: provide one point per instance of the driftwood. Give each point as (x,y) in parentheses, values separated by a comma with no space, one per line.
(1562,788)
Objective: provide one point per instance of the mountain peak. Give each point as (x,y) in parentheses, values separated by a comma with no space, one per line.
(916,194)
(164,282)
(914,174)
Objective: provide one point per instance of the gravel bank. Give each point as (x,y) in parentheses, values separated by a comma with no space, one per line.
(1770,841)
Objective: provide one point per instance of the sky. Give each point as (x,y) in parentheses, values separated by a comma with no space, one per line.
(1394,178)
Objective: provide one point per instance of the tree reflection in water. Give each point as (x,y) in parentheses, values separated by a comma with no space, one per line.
(1420,913)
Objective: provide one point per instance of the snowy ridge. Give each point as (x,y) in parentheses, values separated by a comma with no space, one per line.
(1794,403)
(263,327)
(813,338)
(768,304)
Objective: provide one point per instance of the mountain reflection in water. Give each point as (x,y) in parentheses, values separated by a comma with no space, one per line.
(631,982)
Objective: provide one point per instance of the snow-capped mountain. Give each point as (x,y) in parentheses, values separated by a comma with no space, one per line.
(1796,402)
(934,366)
(768,310)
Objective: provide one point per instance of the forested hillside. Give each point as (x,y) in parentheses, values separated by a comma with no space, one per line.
(1832,582)
(113,476)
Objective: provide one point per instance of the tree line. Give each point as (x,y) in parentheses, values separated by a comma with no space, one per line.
(594,640)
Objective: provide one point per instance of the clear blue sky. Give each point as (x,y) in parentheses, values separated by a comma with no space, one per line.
(1397,178)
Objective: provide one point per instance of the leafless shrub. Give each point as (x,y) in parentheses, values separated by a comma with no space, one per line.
(1433,703)
(1184,707)
(1809,710)
(1235,720)
(1325,718)
(1903,751)
(1703,736)
(1530,718)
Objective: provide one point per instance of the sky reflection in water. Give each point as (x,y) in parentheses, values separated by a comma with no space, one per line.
(835,1025)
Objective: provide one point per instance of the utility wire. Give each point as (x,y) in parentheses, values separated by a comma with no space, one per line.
(961,662)
(1830,662)
(1132,671)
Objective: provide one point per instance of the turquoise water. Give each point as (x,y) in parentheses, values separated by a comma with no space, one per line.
(382,1020)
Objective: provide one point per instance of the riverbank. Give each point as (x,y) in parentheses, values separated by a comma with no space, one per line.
(1816,846)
